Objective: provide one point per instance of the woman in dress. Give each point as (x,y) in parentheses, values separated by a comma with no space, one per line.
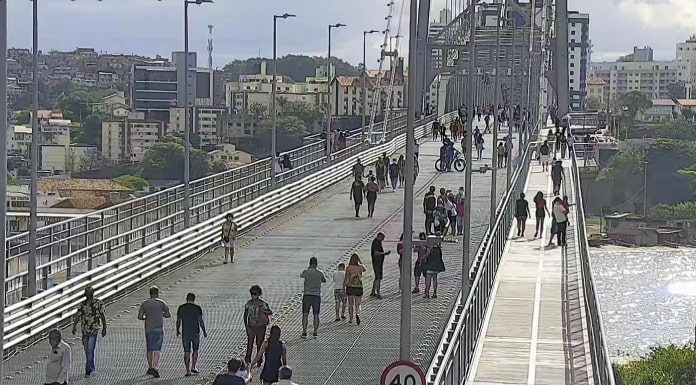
(402,167)
(541,211)
(433,266)
(353,287)
(371,194)
(273,350)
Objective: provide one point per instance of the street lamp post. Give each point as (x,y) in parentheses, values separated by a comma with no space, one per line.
(496,122)
(511,120)
(364,78)
(328,87)
(405,325)
(3,168)
(466,241)
(187,130)
(34,156)
(274,114)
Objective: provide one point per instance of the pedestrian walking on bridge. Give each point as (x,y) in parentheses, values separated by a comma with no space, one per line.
(257,314)
(274,353)
(311,299)
(377,252)
(153,311)
(90,315)
(189,324)
(229,236)
(58,361)
(353,287)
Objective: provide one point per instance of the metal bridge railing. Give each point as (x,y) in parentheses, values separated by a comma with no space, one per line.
(602,369)
(75,246)
(451,367)
(29,319)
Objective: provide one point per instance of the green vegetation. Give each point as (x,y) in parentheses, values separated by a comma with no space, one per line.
(165,160)
(297,67)
(685,210)
(133,182)
(670,365)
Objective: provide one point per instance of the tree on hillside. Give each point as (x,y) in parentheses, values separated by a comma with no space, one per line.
(93,161)
(297,67)
(303,111)
(292,125)
(90,132)
(133,182)
(75,104)
(165,160)
(635,102)
(593,103)
(22,118)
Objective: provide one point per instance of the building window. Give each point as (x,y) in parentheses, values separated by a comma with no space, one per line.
(572,72)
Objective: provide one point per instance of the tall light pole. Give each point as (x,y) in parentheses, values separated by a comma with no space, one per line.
(508,141)
(364,78)
(3,168)
(187,130)
(466,241)
(496,121)
(274,114)
(328,87)
(34,156)
(405,325)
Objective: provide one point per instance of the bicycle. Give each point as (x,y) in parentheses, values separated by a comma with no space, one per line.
(459,163)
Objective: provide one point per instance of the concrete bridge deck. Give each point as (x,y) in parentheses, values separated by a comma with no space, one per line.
(272,255)
(534,332)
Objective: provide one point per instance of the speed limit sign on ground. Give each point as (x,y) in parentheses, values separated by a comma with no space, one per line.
(403,373)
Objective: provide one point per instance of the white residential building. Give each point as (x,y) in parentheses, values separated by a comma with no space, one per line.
(206,120)
(652,78)
(578,57)
(128,139)
(686,59)
(661,110)
(18,139)
(256,89)
(62,160)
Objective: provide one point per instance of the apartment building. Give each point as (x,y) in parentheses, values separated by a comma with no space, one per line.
(598,89)
(155,89)
(126,140)
(578,57)
(686,61)
(256,89)
(652,78)
(204,121)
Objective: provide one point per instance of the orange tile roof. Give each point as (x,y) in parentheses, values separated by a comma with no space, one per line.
(72,184)
(91,203)
(595,81)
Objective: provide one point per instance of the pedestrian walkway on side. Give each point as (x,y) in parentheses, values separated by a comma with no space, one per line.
(533,332)
(272,256)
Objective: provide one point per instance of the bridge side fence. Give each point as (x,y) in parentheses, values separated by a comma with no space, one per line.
(450,366)
(75,246)
(117,264)
(602,369)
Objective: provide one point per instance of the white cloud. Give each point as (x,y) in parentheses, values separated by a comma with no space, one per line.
(661,14)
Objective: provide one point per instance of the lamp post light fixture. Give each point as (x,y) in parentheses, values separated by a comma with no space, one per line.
(187,129)
(274,114)
(365,77)
(328,87)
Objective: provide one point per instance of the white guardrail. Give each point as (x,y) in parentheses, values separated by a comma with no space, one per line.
(31,318)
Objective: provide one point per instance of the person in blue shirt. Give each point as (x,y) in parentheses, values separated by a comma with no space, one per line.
(450,151)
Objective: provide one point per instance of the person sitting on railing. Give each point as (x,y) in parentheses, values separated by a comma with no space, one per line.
(286,163)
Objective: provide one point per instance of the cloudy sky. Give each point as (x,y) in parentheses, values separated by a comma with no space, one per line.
(243,28)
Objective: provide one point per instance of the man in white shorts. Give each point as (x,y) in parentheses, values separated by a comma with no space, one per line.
(229,236)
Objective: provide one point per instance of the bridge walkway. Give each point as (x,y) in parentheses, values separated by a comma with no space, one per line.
(534,331)
(272,255)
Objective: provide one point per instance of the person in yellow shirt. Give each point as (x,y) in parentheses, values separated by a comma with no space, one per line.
(229,236)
